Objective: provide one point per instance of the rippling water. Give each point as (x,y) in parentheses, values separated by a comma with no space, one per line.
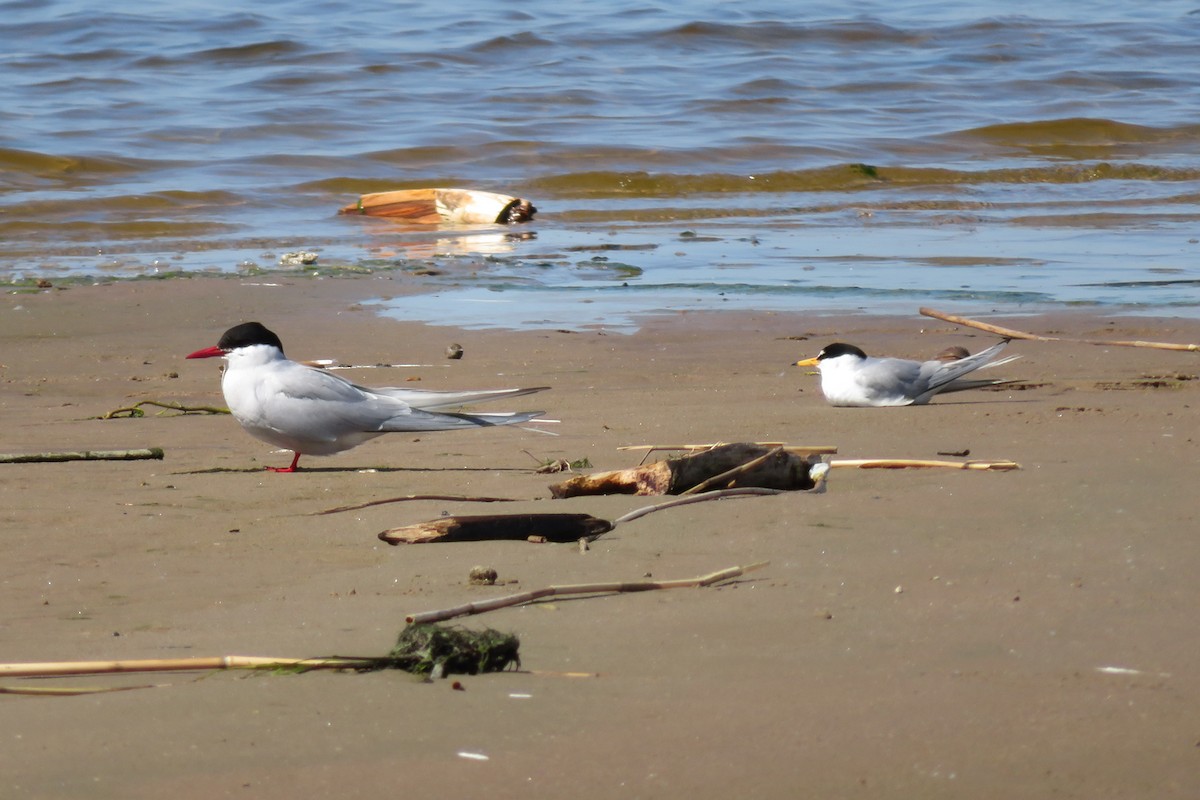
(767,154)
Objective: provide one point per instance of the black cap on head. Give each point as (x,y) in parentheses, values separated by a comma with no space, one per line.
(246,334)
(839,349)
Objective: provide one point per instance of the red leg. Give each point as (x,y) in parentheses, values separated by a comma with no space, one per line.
(292,468)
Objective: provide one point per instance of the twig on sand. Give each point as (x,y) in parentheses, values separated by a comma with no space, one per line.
(73,691)
(815,449)
(82,455)
(718,494)
(579,588)
(135,410)
(917,463)
(1015,334)
(408,497)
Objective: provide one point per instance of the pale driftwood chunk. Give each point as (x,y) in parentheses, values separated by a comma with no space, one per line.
(778,469)
(552,527)
(82,455)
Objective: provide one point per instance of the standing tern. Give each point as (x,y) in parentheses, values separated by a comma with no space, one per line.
(849,377)
(313,412)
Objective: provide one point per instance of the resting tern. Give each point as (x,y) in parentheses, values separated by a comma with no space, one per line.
(849,377)
(313,412)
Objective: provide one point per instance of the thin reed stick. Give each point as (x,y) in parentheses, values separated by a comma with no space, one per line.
(51,668)
(580,588)
(1015,334)
(916,463)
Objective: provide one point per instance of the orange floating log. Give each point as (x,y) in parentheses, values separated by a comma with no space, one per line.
(443,206)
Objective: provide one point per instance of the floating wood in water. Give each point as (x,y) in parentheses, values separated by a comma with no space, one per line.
(549,527)
(723,466)
(1015,334)
(579,588)
(438,206)
(82,455)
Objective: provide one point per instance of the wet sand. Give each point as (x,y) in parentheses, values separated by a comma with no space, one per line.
(916,634)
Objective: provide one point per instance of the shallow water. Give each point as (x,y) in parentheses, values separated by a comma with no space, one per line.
(876,157)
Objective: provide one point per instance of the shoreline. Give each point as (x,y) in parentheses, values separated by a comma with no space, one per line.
(911,626)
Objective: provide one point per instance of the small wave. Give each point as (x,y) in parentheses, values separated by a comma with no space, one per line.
(1078,131)
(24,164)
(842,177)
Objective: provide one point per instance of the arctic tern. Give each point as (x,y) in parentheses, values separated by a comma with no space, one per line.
(313,412)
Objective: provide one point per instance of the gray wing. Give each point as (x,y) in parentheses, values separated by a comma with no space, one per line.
(892,381)
(316,405)
(427,399)
(420,420)
(940,374)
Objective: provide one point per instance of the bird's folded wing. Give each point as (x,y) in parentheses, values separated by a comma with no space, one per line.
(429,400)
(419,420)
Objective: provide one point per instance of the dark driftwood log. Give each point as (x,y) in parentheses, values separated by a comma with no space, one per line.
(779,469)
(552,527)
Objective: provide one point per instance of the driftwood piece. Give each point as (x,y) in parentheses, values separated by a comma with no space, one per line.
(436,205)
(82,455)
(800,450)
(579,588)
(776,468)
(1015,334)
(549,527)
(542,527)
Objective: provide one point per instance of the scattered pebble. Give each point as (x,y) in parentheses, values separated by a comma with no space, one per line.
(298,259)
(483,576)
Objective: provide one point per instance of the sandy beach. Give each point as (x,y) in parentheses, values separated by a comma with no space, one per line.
(931,634)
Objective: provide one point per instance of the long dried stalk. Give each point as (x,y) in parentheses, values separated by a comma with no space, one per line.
(52,668)
(579,588)
(1015,334)
(814,449)
(81,455)
(916,463)
(73,691)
